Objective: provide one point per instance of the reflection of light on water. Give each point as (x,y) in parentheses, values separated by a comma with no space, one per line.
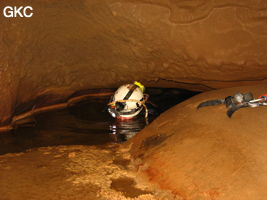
(113,129)
(87,123)
(124,130)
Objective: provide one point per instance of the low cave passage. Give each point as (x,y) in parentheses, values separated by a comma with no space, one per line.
(86,123)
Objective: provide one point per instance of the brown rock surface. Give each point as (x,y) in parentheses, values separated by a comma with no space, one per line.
(204,155)
(74,45)
(73,172)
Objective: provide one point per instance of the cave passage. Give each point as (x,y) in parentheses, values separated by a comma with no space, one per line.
(86,123)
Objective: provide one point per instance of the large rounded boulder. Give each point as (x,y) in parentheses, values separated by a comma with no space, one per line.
(203,154)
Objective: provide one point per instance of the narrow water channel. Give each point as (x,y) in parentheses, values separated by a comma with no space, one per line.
(87,123)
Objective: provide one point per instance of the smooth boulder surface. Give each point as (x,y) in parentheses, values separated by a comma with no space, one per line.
(202,154)
(69,46)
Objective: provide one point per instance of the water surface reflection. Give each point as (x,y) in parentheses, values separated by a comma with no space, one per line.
(86,123)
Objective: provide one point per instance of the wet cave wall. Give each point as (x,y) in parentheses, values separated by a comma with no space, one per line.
(69,46)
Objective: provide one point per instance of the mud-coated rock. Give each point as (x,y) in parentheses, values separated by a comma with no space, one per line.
(74,45)
(202,154)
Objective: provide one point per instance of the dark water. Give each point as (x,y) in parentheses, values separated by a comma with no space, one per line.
(86,123)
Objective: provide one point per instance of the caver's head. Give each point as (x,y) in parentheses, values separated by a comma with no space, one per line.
(127,101)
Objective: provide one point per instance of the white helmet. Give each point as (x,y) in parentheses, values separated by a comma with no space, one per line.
(127,101)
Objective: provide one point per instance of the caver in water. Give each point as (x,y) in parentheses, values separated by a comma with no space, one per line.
(128,101)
